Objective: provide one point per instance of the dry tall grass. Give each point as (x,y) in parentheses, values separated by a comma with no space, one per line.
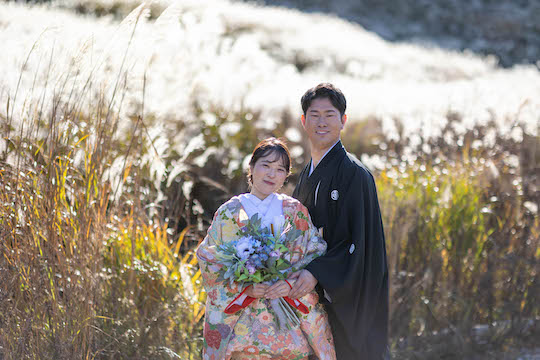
(463,236)
(85,272)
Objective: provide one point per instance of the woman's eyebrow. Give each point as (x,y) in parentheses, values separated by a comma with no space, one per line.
(273,161)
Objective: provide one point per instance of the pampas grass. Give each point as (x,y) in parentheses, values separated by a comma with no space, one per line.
(120,140)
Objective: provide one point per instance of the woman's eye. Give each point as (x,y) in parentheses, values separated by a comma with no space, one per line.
(281,170)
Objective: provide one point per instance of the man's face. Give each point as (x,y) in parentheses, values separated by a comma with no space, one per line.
(323,123)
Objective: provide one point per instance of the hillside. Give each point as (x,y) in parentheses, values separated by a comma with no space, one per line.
(507,29)
(235,55)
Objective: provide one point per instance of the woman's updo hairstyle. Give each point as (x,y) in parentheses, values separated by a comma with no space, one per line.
(270,146)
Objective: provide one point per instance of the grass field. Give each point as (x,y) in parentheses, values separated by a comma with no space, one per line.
(120,139)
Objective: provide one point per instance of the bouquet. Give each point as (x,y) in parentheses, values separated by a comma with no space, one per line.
(261,256)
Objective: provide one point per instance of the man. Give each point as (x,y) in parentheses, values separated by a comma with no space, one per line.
(340,194)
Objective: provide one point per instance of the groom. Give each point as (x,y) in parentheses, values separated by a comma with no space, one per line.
(340,194)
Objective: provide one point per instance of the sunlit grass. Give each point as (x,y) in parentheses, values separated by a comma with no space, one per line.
(84,275)
(86,272)
(110,172)
(462,236)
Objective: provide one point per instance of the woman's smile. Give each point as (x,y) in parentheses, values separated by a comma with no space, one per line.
(268,175)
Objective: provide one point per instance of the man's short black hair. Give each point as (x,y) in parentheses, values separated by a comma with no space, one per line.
(325,90)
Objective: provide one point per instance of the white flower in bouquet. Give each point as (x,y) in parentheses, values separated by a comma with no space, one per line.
(277,225)
(244,247)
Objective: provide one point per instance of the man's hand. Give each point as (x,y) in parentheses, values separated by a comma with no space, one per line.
(279,289)
(256,290)
(305,283)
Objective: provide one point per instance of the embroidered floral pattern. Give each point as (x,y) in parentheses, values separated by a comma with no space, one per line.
(252,333)
(212,337)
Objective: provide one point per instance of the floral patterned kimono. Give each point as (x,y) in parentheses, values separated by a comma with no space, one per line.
(252,332)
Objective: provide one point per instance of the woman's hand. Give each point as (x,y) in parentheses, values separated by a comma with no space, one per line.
(257,291)
(305,283)
(279,289)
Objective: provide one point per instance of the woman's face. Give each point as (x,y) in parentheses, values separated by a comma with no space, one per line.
(268,175)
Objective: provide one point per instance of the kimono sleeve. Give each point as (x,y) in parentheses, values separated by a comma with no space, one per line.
(218,232)
(310,245)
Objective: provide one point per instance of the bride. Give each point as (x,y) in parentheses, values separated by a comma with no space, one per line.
(251,331)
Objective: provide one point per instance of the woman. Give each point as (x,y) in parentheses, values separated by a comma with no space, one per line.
(252,332)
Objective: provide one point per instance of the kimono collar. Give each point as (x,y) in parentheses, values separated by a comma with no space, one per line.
(238,214)
(311,169)
(328,159)
(268,208)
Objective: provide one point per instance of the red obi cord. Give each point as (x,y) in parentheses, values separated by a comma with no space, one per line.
(239,302)
(243,300)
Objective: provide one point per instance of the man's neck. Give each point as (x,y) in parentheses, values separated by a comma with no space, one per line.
(318,154)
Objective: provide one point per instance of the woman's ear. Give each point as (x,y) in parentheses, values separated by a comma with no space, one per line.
(250,175)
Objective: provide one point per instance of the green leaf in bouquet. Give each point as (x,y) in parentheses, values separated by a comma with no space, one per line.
(229,273)
(255,222)
(282,248)
(238,271)
(242,277)
(293,234)
(271,262)
(257,277)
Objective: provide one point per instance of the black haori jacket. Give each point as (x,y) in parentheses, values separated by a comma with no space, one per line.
(342,199)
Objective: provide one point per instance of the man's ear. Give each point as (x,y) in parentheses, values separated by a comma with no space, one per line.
(303,119)
(343,120)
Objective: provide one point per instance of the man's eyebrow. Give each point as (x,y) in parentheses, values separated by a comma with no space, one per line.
(327,110)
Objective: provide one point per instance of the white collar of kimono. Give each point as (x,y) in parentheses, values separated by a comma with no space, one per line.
(327,151)
(267,209)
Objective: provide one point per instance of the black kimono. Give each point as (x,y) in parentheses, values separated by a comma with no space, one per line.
(341,198)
